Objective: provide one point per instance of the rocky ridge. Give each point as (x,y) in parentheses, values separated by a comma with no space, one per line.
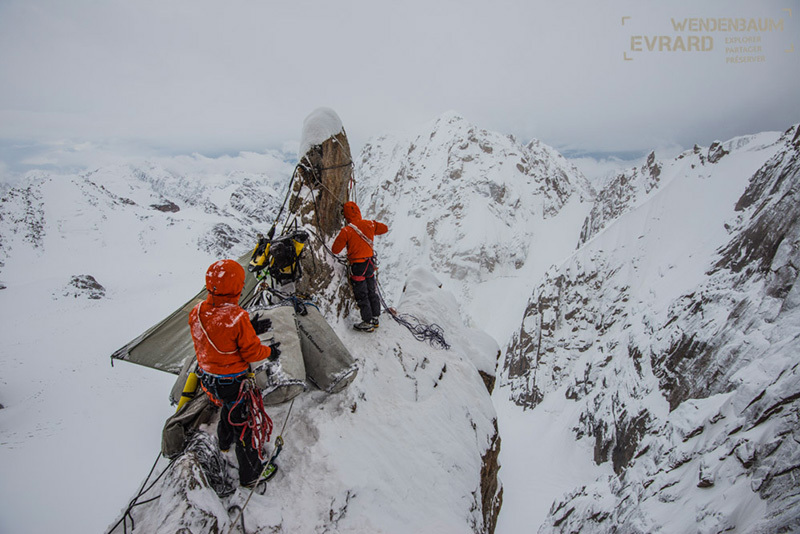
(678,351)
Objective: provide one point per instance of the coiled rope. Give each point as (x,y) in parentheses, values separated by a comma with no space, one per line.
(258,422)
(432,333)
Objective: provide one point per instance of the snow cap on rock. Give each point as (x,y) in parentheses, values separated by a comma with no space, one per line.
(320,125)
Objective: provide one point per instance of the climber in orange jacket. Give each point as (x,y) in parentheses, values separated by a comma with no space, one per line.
(357,236)
(226,342)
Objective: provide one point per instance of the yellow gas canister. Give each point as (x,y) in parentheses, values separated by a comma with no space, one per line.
(189,390)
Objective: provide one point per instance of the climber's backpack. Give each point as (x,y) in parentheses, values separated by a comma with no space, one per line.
(279,257)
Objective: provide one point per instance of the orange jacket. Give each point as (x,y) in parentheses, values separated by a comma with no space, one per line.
(357,249)
(224,339)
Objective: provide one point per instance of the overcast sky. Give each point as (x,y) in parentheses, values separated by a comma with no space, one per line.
(210,76)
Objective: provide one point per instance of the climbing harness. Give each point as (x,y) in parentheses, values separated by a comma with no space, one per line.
(359,277)
(258,422)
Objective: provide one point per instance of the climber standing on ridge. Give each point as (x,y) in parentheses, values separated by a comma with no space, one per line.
(225,341)
(357,235)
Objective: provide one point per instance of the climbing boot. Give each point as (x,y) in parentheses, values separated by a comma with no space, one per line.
(364,326)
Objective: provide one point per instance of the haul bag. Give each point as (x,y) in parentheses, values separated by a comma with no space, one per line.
(329,365)
(182,424)
(284,379)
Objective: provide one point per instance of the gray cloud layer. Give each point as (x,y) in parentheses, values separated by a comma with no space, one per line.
(216,77)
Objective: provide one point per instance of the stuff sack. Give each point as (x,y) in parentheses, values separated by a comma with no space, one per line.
(329,365)
(180,427)
(285,379)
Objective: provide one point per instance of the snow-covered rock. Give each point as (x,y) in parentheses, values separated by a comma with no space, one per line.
(319,125)
(123,210)
(621,194)
(470,204)
(674,333)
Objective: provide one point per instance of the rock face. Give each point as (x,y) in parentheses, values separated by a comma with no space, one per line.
(464,201)
(323,178)
(491,490)
(621,194)
(326,168)
(22,218)
(675,331)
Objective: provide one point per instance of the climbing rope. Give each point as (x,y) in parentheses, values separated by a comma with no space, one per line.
(432,333)
(135,501)
(258,422)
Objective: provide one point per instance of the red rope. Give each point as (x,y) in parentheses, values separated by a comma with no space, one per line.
(257,419)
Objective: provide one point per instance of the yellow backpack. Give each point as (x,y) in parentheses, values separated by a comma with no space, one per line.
(279,257)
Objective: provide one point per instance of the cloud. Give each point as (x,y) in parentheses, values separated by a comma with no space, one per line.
(209,77)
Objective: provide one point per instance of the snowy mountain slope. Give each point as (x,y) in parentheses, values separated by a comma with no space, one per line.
(631,188)
(57,214)
(620,194)
(400,450)
(470,204)
(63,437)
(673,332)
(92,260)
(604,349)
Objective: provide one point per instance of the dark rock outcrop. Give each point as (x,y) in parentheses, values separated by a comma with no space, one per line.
(167,206)
(620,195)
(321,188)
(491,493)
(84,286)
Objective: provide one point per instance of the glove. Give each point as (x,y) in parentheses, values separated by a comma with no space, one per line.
(260,325)
(274,351)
